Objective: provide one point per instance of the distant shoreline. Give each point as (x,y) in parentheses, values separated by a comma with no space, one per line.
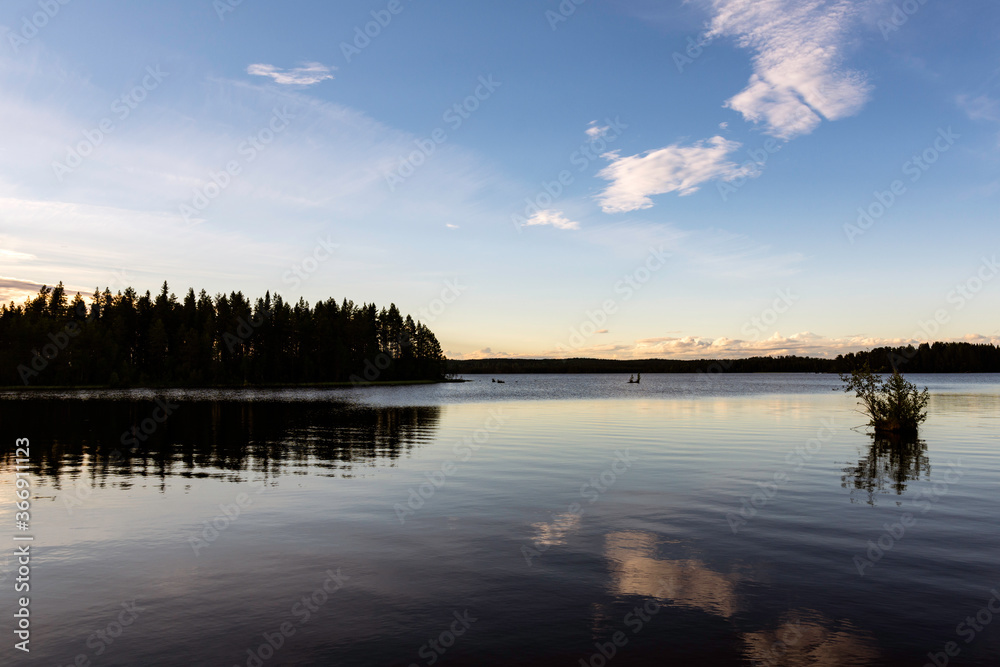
(939,357)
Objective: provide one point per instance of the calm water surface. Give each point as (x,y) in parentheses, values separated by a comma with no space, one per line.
(548,520)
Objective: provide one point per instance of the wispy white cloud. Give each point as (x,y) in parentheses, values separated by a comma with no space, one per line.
(307,75)
(594,130)
(552,217)
(13,254)
(980,107)
(798,73)
(798,80)
(675,168)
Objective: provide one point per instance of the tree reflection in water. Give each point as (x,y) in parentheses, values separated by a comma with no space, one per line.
(891,462)
(105,441)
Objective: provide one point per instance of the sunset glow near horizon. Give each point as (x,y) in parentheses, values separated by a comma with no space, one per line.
(585,178)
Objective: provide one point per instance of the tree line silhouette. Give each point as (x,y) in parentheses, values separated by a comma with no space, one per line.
(125,339)
(941,357)
(954,357)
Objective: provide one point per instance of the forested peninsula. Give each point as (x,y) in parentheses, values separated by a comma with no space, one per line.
(128,340)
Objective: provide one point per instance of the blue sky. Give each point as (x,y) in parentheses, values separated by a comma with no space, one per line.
(619,178)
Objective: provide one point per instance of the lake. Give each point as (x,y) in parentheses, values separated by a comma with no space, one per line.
(546,520)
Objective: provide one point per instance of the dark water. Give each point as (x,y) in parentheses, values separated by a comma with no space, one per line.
(696,521)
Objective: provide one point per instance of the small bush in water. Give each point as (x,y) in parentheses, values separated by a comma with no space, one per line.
(892,404)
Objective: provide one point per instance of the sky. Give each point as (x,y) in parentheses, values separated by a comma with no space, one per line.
(601,178)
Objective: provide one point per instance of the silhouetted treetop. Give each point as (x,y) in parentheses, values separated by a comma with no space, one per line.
(125,339)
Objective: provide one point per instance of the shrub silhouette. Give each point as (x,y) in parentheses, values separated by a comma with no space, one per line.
(892,404)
